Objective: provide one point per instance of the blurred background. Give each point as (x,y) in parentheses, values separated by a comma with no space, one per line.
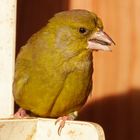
(115,103)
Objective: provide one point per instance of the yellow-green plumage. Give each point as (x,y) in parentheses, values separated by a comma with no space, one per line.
(53,74)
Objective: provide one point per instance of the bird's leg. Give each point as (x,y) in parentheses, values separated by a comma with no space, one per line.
(63,119)
(21,113)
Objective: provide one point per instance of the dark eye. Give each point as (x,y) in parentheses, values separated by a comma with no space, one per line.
(82,30)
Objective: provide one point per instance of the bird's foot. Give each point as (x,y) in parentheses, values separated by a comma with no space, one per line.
(21,113)
(63,119)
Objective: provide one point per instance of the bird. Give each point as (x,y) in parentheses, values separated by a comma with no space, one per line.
(53,70)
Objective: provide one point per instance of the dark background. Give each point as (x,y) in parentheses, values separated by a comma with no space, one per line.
(33,14)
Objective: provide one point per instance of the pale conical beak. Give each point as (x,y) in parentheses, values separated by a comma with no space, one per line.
(100,41)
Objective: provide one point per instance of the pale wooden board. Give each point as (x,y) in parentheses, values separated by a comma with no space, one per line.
(45,129)
(7,55)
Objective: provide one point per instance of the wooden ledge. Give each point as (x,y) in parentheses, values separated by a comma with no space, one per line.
(45,129)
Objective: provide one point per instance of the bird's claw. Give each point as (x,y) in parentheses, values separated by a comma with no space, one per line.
(62,121)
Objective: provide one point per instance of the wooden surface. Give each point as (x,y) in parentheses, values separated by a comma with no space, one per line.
(116,80)
(118,71)
(7,55)
(45,129)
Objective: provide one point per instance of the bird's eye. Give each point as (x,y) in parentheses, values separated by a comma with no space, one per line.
(82,30)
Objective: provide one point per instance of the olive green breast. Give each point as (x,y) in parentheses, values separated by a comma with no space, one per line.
(52,86)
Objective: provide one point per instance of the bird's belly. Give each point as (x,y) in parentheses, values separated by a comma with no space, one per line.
(59,95)
(74,93)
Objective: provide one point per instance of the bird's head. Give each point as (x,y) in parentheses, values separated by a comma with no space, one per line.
(77,30)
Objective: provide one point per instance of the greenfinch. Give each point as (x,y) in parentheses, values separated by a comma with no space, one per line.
(53,72)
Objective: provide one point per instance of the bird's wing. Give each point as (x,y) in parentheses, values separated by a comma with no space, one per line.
(21,78)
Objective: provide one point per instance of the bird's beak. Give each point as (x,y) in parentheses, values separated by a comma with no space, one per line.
(100,41)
